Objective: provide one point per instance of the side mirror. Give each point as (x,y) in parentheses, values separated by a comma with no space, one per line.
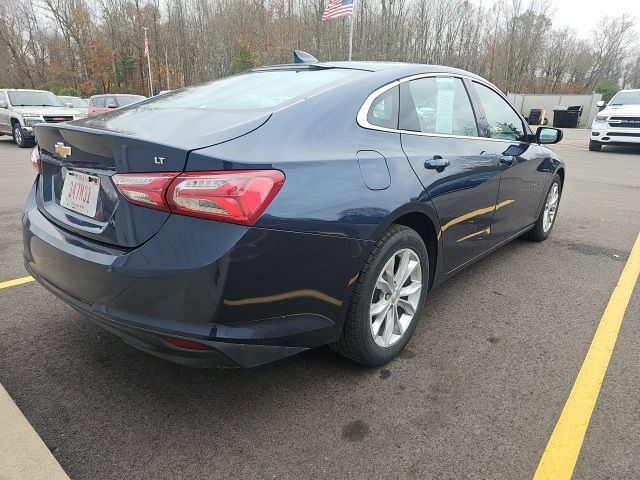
(3,104)
(68,105)
(112,105)
(601,104)
(548,135)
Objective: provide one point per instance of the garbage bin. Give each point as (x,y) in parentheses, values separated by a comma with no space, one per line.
(566,116)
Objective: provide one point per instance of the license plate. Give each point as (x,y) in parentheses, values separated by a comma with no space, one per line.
(80,193)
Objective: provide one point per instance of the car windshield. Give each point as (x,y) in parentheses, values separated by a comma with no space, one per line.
(626,98)
(34,98)
(253,90)
(124,100)
(75,102)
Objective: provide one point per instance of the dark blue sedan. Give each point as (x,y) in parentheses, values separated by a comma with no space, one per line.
(251,218)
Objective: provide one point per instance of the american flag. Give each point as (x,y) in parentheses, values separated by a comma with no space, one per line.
(146,47)
(337,9)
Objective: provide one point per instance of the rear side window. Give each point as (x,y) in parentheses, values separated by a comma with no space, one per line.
(254,90)
(438,105)
(384,109)
(504,122)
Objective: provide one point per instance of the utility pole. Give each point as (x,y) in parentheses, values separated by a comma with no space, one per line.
(146,52)
(166,64)
(351,19)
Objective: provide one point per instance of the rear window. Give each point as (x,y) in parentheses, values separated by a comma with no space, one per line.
(254,90)
(124,100)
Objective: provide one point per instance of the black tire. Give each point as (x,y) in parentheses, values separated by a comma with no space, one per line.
(537,233)
(594,146)
(18,137)
(356,341)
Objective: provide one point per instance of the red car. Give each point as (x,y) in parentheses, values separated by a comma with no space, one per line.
(103,103)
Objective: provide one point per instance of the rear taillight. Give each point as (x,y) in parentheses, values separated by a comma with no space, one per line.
(145,189)
(36,160)
(229,196)
(238,197)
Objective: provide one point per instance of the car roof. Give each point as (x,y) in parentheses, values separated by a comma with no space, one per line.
(398,69)
(385,72)
(116,95)
(22,90)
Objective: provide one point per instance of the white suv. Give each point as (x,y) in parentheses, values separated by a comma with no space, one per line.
(21,109)
(618,123)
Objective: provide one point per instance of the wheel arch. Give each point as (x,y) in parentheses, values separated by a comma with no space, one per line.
(560,172)
(423,218)
(421,223)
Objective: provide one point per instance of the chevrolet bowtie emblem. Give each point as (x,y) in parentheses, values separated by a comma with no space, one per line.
(63,150)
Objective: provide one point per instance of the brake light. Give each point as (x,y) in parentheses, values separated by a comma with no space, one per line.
(36,160)
(232,196)
(145,189)
(238,196)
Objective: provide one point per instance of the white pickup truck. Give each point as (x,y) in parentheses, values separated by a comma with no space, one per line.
(618,123)
(21,109)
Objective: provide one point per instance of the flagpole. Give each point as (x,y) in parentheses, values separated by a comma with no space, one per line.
(351,30)
(146,44)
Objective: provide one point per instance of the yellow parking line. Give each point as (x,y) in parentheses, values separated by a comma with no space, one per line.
(560,455)
(17,281)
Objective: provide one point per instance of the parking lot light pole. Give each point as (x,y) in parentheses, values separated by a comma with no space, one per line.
(146,52)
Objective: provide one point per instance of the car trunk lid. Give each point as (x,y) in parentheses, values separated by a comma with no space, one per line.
(86,153)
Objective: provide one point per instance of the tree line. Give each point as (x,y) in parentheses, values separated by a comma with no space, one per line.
(96,46)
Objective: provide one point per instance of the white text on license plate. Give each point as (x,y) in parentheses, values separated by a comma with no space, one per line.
(80,193)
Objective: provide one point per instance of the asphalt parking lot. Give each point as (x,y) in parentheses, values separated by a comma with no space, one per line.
(476,393)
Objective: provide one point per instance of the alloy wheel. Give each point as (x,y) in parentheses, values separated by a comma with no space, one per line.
(550,207)
(17,135)
(395,297)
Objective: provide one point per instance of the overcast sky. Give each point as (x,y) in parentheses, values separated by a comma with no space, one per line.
(583,15)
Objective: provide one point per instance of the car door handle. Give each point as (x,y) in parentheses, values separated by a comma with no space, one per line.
(437,163)
(507,160)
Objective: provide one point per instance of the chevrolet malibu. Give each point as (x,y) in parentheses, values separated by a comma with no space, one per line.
(254,217)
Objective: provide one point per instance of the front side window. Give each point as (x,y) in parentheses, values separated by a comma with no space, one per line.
(438,105)
(384,110)
(99,102)
(504,122)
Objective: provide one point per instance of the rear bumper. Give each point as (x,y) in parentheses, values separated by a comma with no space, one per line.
(252,295)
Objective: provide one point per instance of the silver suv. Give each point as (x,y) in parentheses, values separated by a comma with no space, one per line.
(21,109)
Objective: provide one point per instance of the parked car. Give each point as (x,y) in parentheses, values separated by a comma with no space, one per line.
(77,103)
(618,123)
(21,109)
(259,232)
(104,103)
